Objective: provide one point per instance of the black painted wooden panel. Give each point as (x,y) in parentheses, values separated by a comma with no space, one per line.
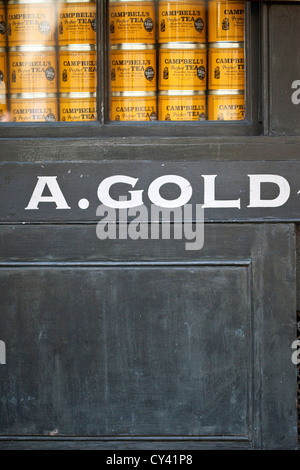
(131,344)
(177,149)
(137,351)
(78,180)
(298,265)
(284,69)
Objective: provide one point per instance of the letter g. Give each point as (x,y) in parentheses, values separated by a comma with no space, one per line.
(104,196)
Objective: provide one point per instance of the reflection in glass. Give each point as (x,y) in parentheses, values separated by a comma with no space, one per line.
(200,72)
(50,49)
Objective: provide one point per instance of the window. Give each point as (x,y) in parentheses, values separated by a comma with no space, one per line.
(195,50)
(179,67)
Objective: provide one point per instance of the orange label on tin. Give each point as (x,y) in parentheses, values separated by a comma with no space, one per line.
(78,109)
(77,71)
(226,21)
(2,26)
(182,69)
(141,108)
(33,72)
(31,24)
(77,23)
(3,73)
(131,22)
(3,109)
(34,110)
(133,70)
(182,21)
(182,108)
(226,107)
(226,69)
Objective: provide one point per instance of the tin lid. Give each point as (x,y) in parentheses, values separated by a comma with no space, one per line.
(225,45)
(182,93)
(132,46)
(77,95)
(32,96)
(28,48)
(135,94)
(78,47)
(17,2)
(182,45)
(2,50)
(126,1)
(182,1)
(76,1)
(226,92)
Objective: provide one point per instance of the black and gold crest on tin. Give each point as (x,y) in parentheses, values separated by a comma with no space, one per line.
(64,75)
(225,24)
(2,28)
(217,73)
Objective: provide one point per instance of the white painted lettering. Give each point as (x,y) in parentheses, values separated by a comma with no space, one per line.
(56,197)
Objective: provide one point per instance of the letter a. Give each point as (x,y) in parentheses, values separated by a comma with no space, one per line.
(56,194)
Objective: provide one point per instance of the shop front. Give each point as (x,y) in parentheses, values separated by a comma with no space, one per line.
(149,201)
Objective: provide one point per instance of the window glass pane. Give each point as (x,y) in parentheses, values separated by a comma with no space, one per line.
(170,60)
(176,60)
(49,49)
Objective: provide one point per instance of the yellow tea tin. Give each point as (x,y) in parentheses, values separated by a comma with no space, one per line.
(31,23)
(226,105)
(77,22)
(133,106)
(226,21)
(226,64)
(182,66)
(2,25)
(132,21)
(77,69)
(78,107)
(37,107)
(133,67)
(3,71)
(181,21)
(3,108)
(182,106)
(32,69)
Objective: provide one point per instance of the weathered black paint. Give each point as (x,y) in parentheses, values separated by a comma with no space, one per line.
(284,68)
(81,180)
(112,377)
(149,340)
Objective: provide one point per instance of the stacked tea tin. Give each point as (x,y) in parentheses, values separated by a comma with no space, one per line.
(132,60)
(32,61)
(226,61)
(77,55)
(3,64)
(182,60)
